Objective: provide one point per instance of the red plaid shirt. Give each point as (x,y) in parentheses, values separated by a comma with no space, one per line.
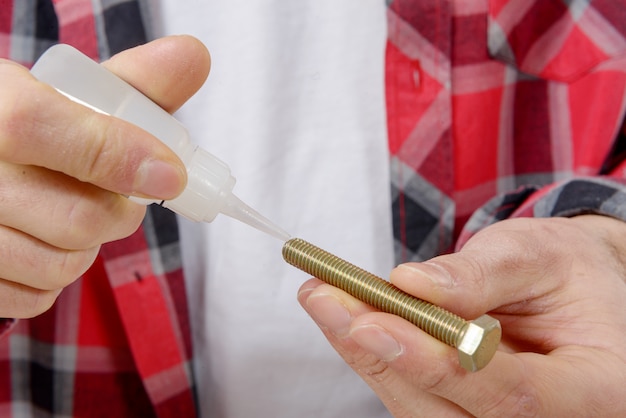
(495,109)
(117,342)
(514,105)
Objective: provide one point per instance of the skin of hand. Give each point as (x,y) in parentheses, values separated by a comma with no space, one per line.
(558,287)
(65,169)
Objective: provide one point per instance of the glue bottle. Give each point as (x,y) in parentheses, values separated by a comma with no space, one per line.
(209,181)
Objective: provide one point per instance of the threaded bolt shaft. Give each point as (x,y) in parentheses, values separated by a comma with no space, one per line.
(373,290)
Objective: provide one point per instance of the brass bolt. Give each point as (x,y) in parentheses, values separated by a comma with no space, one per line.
(476,341)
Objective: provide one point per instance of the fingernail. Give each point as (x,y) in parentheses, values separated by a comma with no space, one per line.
(433,272)
(377,341)
(330,313)
(303,294)
(156,178)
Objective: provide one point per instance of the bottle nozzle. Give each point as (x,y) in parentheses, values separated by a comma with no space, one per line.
(236,208)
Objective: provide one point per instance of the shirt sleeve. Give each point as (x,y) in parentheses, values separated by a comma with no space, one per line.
(600,195)
(604,194)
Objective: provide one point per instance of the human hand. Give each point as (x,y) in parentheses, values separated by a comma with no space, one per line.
(65,169)
(557,285)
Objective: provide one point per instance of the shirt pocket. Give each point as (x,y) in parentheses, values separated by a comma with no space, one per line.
(556,41)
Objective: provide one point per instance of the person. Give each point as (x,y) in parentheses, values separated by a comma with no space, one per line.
(128,338)
(117,342)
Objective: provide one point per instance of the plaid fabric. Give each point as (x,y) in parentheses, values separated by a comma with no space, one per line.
(117,342)
(501,108)
(490,113)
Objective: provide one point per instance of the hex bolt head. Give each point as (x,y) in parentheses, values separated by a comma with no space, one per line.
(479,342)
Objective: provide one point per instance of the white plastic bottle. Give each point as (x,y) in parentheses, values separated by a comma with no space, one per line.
(210,183)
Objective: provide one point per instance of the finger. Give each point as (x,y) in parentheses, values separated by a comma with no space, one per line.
(413,372)
(63,211)
(331,309)
(39,126)
(168,70)
(38,265)
(504,264)
(334,311)
(524,384)
(401,394)
(19,301)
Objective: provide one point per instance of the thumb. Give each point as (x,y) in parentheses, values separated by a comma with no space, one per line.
(501,265)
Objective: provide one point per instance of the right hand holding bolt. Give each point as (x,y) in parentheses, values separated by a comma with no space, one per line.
(557,287)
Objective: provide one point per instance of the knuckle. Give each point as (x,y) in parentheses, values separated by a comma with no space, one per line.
(96,157)
(51,269)
(113,154)
(522,241)
(41,273)
(16,111)
(433,382)
(87,224)
(23,302)
(437,379)
(38,302)
(71,265)
(372,367)
(83,225)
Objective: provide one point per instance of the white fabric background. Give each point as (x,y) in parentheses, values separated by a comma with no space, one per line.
(295,106)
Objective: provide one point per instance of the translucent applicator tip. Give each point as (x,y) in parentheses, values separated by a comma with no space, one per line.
(236,208)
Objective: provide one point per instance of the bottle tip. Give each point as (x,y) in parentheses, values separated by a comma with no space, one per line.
(237,209)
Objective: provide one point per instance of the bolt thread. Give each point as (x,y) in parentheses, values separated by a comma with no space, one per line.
(373,290)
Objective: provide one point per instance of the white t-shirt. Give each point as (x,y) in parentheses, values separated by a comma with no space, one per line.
(295,106)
